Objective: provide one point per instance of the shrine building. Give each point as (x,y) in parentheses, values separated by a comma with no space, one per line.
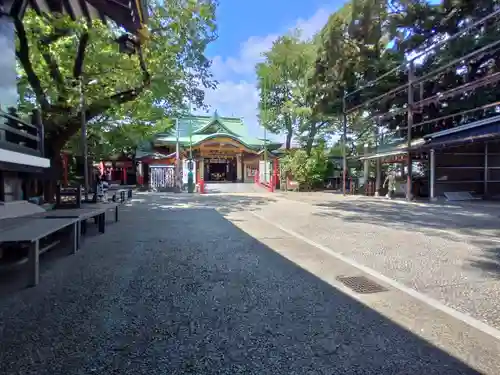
(221,148)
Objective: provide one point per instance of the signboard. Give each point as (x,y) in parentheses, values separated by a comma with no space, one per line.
(218,153)
(265,171)
(251,171)
(123,164)
(217,161)
(185,169)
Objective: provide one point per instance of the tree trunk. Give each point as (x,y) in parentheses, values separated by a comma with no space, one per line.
(53,148)
(288,142)
(52,177)
(310,138)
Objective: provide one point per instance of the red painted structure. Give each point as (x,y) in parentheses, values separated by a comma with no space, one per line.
(201,184)
(274,178)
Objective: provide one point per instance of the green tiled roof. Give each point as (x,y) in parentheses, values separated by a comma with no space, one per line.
(202,124)
(206,127)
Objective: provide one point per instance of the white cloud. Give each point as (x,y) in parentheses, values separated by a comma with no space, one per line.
(236,93)
(238,99)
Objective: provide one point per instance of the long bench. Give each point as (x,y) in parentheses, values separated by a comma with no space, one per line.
(82,215)
(32,231)
(23,222)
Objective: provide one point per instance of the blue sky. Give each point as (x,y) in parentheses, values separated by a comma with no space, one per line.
(246,30)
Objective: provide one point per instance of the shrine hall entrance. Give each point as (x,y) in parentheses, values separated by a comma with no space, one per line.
(220,169)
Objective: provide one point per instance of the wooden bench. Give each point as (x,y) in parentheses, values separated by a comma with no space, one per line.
(107,206)
(32,231)
(90,211)
(17,209)
(22,222)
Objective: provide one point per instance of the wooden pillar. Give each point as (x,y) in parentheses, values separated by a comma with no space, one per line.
(378,177)
(202,169)
(344,145)
(274,180)
(242,166)
(366,166)
(409,181)
(140,173)
(238,167)
(432,175)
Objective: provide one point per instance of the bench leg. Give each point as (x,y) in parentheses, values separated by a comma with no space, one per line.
(116,213)
(78,235)
(102,223)
(34,263)
(74,237)
(83,225)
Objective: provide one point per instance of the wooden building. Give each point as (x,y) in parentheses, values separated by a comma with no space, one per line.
(221,149)
(22,161)
(453,162)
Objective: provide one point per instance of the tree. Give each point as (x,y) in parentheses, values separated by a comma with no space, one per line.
(469,83)
(117,139)
(282,80)
(57,55)
(456,88)
(308,170)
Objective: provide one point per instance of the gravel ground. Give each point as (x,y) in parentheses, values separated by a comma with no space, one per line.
(183,291)
(230,187)
(411,244)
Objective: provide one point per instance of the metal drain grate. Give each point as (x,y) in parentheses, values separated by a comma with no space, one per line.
(361,284)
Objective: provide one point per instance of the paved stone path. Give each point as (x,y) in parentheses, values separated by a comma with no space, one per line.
(450,253)
(176,288)
(233,187)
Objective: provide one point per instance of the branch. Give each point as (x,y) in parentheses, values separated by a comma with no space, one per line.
(23,55)
(102,105)
(80,55)
(145,74)
(54,71)
(97,108)
(61,137)
(58,33)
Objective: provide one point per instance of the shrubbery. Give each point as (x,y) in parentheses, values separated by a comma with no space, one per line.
(309,171)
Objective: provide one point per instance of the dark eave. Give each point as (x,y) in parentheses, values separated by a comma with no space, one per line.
(131,15)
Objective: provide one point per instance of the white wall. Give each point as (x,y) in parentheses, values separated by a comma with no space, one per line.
(8,83)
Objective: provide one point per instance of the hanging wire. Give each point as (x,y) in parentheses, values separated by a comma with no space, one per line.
(421,52)
(438,98)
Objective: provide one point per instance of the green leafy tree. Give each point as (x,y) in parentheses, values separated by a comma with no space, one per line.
(309,170)
(469,82)
(282,80)
(55,55)
(116,139)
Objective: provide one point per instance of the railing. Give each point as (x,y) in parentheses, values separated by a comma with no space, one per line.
(21,136)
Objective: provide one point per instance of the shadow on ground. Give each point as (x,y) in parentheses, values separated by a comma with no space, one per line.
(407,216)
(224,203)
(184,291)
(479,224)
(489,262)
